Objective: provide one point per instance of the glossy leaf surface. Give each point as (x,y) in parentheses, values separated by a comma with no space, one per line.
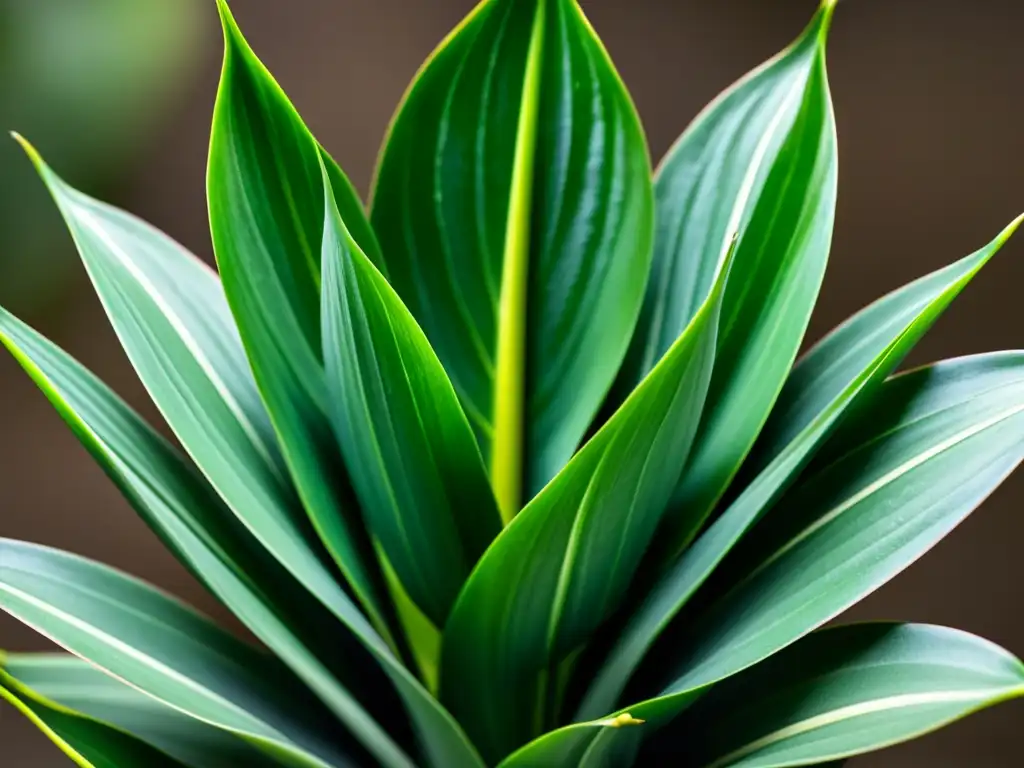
(514,206)
(160,647)
(842,692)
(409,448)
(932,443)
(566,562)
(87,742)
(266,214)
(844,369)
(761,160)
(174,500)
(73,684)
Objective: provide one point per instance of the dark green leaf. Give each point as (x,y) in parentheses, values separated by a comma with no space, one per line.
(839,693)
(514,206)
(760,160)
(566,562)
(844,369)
(76,685)
(409,449)
(266,214)
(88,742)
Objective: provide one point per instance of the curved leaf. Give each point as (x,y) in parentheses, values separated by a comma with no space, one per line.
(73,684)
(835,360)
(566,562)
(183,510)
(266,214)
(844,369)
(159,646)
(761,159)
(839,693)
(410,451)
(514,206)
(187,515)
(88,742)
(931,444)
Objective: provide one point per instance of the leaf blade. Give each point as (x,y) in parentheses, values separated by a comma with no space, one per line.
(87,608)
(874,685)
(73,684)
(844,370)
(265,196)
(87,742)
(409,448)
(545,584)
(473,104)
(763,156)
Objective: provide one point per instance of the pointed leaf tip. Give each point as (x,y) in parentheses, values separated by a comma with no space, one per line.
(31,151)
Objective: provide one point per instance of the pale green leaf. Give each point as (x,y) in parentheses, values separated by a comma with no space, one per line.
(839,693)
(89,743)
(73,684)
(845,368)
(159,646)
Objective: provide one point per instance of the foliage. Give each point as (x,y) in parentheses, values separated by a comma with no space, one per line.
(515,469)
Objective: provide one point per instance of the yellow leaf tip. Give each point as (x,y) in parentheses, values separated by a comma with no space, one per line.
(31,151)
(622,721)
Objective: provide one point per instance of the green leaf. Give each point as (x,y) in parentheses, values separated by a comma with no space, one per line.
(73,684)
(169,312)
(408,446)
(88,742)
(162,648)
(844,369)
(566,562)
(761,160)
(839,693)
(205,536)
(266,214)
(834,361)
(514,205)
(932,444)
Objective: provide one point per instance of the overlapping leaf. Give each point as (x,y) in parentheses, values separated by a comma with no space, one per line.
(761,160)
(411,452)
(931,444)
(88,742)
(189,518)
(844,369)
(266,214)
(841,692)
(73,684)
(162,648)
(514,205)
(566,562)
(182,509)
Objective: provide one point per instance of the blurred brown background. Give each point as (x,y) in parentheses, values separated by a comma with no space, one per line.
(931,127)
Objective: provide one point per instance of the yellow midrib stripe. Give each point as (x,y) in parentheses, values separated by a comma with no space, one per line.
(509,386)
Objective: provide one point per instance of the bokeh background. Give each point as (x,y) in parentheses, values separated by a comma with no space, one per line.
(117,94)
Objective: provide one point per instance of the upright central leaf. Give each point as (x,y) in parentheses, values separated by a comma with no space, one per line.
(514,208)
